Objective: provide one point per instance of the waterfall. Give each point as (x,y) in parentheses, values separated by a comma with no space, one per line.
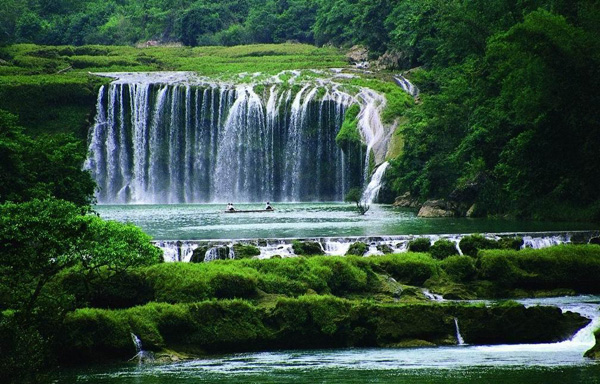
(182,250)
(406,85)
(165,138)
(140,354)
(372,190)
(459,338)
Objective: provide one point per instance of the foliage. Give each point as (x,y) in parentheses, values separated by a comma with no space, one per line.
(42,238)
(48,166)
(496,106)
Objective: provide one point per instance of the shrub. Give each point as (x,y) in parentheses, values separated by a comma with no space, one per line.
(470,245)
(442,249)
(358,249)
(422,244)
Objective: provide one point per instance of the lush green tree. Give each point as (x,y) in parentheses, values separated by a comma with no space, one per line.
(41,238)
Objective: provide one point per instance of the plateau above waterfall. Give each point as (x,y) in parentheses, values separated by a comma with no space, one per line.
(174,137)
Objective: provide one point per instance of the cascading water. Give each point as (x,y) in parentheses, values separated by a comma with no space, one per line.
(140,354)
(372,190)
(177,138)
(459,338)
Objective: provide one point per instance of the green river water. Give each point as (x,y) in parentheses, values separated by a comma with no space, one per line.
(208,221)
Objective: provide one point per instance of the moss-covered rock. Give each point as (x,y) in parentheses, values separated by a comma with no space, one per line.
(459,268)
(199,254)
(357,249)
(311,321)
(307,248)
(594,352)
(244,251)
(470,245)
(512,323)
(422,244)
(514,243)
(384,248)
(443,248)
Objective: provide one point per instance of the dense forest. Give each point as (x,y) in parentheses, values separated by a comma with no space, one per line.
(508,118)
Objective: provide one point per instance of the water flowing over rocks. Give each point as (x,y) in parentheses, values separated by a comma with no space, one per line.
(175,137)
(196,250)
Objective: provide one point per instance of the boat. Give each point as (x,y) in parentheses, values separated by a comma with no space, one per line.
(249,210)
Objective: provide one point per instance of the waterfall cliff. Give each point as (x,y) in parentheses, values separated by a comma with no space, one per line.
(176,138)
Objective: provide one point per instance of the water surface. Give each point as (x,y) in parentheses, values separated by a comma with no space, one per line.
(208,221)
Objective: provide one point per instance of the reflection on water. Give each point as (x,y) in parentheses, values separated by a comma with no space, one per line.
(208,221)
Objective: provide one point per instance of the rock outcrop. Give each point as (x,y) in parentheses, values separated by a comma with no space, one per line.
(406,201)
(594,352)
(358,54)
(437,208)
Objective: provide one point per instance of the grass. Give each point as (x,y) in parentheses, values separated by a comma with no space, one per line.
(208,61)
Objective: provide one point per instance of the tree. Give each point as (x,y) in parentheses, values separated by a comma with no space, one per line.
(41,238)
(354,195)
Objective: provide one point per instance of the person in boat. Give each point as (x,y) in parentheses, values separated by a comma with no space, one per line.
(268,207)
(230,207)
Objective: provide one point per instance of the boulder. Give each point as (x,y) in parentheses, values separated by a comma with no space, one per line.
(384,248)
(437,208)
(358,54)
(357,249)
(595,240)
(220,252)
(198,254)
(594,352)
(406,201)
(471,212)
(307,248)
(392,60)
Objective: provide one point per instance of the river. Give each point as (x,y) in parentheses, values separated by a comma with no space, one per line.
(301,220)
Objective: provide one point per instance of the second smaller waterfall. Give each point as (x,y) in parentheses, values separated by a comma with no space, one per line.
(372,190)
(459,338)
(140,354)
